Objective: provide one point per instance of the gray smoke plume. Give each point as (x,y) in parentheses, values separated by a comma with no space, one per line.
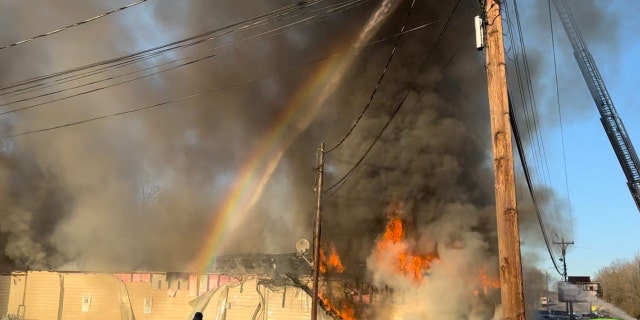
(597,23)
(83,194)
(189,152)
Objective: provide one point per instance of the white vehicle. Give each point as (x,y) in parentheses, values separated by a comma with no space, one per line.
(544,301)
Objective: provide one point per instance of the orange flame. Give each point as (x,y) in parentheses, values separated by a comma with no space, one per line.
(487,282)
(345,312)
(323,264)
(334,262)
(408,264)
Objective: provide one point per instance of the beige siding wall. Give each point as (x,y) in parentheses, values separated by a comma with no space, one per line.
(102,291)
(242,301)
(5,291)
(110,296)
(16,291)
(297,304)
(42,297)
(165,304)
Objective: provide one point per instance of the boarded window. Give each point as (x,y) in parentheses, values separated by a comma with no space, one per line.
(86,302)
(148,303)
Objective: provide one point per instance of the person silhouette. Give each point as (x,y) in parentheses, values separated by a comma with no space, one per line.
(197,316)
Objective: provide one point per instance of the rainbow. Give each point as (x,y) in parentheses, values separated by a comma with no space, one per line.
(293,120)
(256,171)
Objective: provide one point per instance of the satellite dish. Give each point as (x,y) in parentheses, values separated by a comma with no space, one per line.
(302,246)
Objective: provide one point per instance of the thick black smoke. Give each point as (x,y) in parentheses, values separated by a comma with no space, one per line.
(77,195)
(141,191)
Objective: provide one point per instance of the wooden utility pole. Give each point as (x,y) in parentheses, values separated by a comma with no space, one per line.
(316,234)
(511,287)
(564,245)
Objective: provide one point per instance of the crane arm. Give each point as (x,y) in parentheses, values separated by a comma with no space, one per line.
(612,123)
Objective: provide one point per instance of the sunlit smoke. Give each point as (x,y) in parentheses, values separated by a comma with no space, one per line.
(342,64)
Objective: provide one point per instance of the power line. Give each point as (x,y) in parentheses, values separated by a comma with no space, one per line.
(435,44)
(72,25)
(564,155)
(331,9)
(344,178)
(441,34)
(536,119)
(135,78)
(130,80)
(525,168)
(528,102)
(272,14)
(164,103)
(239,83)
(154,52)
(380,79)
(531,117)
(70,124)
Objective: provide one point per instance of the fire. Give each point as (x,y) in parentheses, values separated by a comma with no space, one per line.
(345,312)
(487,282)
(334,262)
(410,264)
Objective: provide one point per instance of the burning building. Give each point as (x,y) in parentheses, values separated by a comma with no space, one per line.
(212,170)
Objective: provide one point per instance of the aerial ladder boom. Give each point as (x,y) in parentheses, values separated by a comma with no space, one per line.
(612,123)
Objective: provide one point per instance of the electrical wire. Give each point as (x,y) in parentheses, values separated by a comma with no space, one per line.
(239,83)
(440,35)
(112,85)
(382,75)
(527,98)
(164,103)
(564,155)
(72,25)
(341,181)
(526,91)
(522,94)
(139,57)
(144,57)
(271,14)
(455,52)
(139,77)
(344,178)
(525,168)
(331,9)
(380,79)
(536,126)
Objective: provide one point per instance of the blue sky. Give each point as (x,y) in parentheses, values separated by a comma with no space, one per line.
(606,222)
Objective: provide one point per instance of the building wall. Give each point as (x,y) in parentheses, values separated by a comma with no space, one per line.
(5,290)
(99,296)
(242,300)
(164,303)
(101,291)
(16,290)
(42,298)
(288,303)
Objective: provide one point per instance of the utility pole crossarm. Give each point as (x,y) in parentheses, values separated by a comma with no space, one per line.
(613,126)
